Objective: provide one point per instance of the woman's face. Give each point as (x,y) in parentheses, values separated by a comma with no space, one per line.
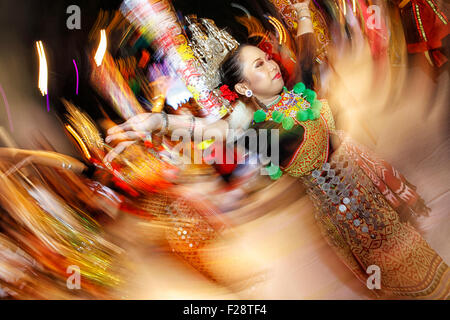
(262,75)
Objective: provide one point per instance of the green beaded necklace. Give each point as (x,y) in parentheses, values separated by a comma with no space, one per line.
(312,113)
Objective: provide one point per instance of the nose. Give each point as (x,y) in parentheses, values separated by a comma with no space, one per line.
(273,65)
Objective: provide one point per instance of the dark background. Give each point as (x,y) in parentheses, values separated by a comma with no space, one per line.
(23,22)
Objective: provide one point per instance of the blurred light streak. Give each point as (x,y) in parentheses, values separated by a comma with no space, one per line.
(354,6)
(274,23)
(79,140)
(254,27)
(78,79)
(8,111)
(235,5)
(43,72)
(277,27)
(281,28)
(101,48)
(344,5)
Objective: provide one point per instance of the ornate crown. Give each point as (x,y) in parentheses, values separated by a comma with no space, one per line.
(210,46)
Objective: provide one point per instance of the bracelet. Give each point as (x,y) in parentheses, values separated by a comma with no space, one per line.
(302,10)
(304,18)
(192,126)
(165,125)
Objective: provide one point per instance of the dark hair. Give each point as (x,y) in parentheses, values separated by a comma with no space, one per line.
(231,68)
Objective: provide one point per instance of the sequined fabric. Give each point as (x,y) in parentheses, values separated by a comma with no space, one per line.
(365,230)
(190,227)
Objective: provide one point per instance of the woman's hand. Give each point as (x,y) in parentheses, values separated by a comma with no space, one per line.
(135,128)
(140,123)
(302,8)
(304,18)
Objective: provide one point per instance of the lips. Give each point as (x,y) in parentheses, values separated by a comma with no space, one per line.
(277,76)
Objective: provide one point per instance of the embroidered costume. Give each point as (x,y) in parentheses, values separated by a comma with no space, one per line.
(425,26)
(359,199)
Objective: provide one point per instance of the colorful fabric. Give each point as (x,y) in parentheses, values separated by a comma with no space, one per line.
(313,151)
(425,26)
(319,24)
(391,183)
(365,230)
(190,224)
(356,195)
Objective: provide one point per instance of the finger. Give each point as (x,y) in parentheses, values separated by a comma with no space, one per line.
(117,150)
(128,125)
(114,130)
(132,135)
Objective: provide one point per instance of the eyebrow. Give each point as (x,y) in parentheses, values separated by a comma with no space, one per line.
(261,58)
(256,60)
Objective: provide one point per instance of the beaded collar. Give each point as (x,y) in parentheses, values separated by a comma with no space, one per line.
(300,104)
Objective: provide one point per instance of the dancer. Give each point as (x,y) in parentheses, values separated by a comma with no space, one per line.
(361,200)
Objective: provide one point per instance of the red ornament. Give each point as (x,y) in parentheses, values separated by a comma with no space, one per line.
(266,47)
(227,93)
(148,144)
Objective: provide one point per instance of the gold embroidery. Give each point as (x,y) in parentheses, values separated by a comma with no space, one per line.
(431,4)
(313,152)
(420,22)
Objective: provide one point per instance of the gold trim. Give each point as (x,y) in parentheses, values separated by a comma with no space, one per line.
(431,4)
(424,36)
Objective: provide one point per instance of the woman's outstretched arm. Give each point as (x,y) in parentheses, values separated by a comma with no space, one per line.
(141,125)
(306,45)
